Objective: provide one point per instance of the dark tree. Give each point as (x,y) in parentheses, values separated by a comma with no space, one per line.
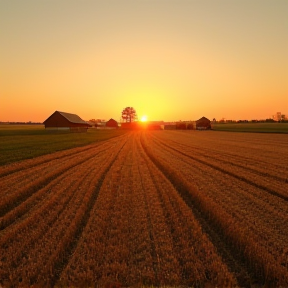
(129,115)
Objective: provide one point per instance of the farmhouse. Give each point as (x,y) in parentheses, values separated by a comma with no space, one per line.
(65,121)
(112,124)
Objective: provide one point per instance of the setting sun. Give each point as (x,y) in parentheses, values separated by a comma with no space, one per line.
(144,118)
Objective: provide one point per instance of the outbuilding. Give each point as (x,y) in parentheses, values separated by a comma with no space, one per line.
(65,121)
(203,124)
(112,124)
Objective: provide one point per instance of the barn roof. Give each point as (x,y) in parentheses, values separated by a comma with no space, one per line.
(73,118)
(111,119)
(203,118)
(112,123)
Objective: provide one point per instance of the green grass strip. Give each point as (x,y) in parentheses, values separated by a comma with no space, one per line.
(19,142)
(252,127)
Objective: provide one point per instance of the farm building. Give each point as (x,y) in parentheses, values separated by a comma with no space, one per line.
(169,125)
(181,125)
(203,124)
(65,121)
(112,124)
(184,125)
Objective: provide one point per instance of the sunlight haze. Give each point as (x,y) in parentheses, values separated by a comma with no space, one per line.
(170,60)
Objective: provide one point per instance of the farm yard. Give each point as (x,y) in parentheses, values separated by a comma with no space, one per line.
(149,208)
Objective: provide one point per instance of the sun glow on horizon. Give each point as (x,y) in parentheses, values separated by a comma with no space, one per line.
(144,118)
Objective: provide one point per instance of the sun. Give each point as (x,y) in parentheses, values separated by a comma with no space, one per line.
(144,118)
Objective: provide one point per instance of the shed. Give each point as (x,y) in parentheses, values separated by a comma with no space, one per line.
(203,124)
(112,123)
(65,121)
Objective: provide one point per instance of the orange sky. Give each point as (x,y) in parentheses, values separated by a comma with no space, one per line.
(171,60)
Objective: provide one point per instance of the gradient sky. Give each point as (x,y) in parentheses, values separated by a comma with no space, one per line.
(169,59)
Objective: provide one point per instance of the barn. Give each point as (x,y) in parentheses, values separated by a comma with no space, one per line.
(112,124)
(65,122)
(203,124)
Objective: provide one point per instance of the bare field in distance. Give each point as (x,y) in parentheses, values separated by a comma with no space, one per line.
(149,208)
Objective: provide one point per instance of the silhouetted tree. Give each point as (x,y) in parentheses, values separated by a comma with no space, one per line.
(129,114)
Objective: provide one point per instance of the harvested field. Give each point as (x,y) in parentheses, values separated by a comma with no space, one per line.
(149,208)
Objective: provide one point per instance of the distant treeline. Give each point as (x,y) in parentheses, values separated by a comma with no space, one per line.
(20,123)
(270,120)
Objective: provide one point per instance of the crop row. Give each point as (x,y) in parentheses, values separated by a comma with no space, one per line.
(20,185)
(269,162)
(141,232)
(34,248)
(254,150)
(250,219)
(148,208)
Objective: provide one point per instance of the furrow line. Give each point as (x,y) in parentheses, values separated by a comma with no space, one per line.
(29,163)
(253,255)
(70,248)
(22,193)
(233,262)
(230,173)
(10,183)
(42,198)
(233,159)
(62,235)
